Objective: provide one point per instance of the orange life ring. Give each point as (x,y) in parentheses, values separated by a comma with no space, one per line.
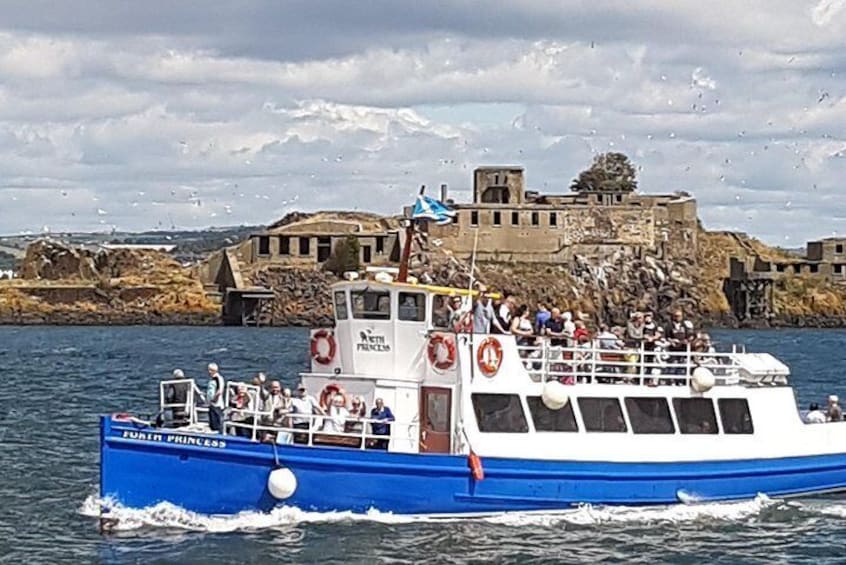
(436,342)
(489,356)
(329,392)
(323,335)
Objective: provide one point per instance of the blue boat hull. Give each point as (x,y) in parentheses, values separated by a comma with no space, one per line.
(222,475)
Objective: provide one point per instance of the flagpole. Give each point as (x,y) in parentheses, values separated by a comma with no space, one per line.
(406,250)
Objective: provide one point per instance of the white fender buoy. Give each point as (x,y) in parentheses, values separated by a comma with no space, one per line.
(282,483)
(554,395)
(702,380)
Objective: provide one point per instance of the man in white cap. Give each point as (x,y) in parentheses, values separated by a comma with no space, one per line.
(306,405)
(834,413)
(214,397)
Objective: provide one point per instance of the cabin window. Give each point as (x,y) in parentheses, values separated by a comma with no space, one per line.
(515,218)
(649,415)
(441,311)
(371,304)
(499,413)
(546,420)
(264,245)
(341,306)
(305,246)
(412,306)
(695,415)
(734,414)
(602,414)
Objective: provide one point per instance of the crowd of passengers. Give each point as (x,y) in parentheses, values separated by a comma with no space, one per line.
(832,413)
(298,413)
(641,335)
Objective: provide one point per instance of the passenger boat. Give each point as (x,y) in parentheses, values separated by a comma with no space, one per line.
(483,425)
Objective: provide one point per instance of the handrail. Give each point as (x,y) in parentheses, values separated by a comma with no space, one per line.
(314,429)
(640,365)
(256,420)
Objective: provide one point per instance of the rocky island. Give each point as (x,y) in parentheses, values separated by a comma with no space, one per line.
(604,249)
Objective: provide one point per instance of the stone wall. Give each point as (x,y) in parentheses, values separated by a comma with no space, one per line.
(538,236)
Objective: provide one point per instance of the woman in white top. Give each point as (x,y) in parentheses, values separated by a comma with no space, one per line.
(336,416)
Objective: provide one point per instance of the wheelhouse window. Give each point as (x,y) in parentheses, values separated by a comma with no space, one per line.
(341,306)
(649,415)
(546,420)
(412,306)
(735,416)
(499,413)
(441,311)
(602,414)
(371,304)
(695,415)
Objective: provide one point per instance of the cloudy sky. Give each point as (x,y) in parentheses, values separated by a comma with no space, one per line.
(190,114)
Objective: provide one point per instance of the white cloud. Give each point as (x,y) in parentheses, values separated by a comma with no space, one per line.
(285,108)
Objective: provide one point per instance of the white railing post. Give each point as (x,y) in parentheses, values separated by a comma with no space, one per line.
(593,351)
(544,360)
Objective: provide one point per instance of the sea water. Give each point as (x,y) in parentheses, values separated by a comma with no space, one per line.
(56,381)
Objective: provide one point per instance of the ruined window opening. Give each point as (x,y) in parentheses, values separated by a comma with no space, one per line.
(618,197)
(535,219)
(284,245)
(599,198)
(305,246)
(366,255)
(814,268)
(380,244)
(264,245)
(497,218)
(838,248)
(553,219)
(474,218)
(838,269)
(515,218)
(324,248)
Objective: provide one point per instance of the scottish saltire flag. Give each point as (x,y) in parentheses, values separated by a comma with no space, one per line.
(430,209)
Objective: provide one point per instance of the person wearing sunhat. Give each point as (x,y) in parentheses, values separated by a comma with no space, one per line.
(834,413)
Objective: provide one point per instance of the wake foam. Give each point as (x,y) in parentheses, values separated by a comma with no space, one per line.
(166,515)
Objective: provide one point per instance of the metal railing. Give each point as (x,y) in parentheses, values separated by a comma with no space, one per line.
(254,422)
(630,365)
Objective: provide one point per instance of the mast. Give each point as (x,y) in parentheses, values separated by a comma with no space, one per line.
(406,249)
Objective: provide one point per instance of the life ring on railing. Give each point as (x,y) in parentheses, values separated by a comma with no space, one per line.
(437,344)
(323,357)
(329,392)
(489,356)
